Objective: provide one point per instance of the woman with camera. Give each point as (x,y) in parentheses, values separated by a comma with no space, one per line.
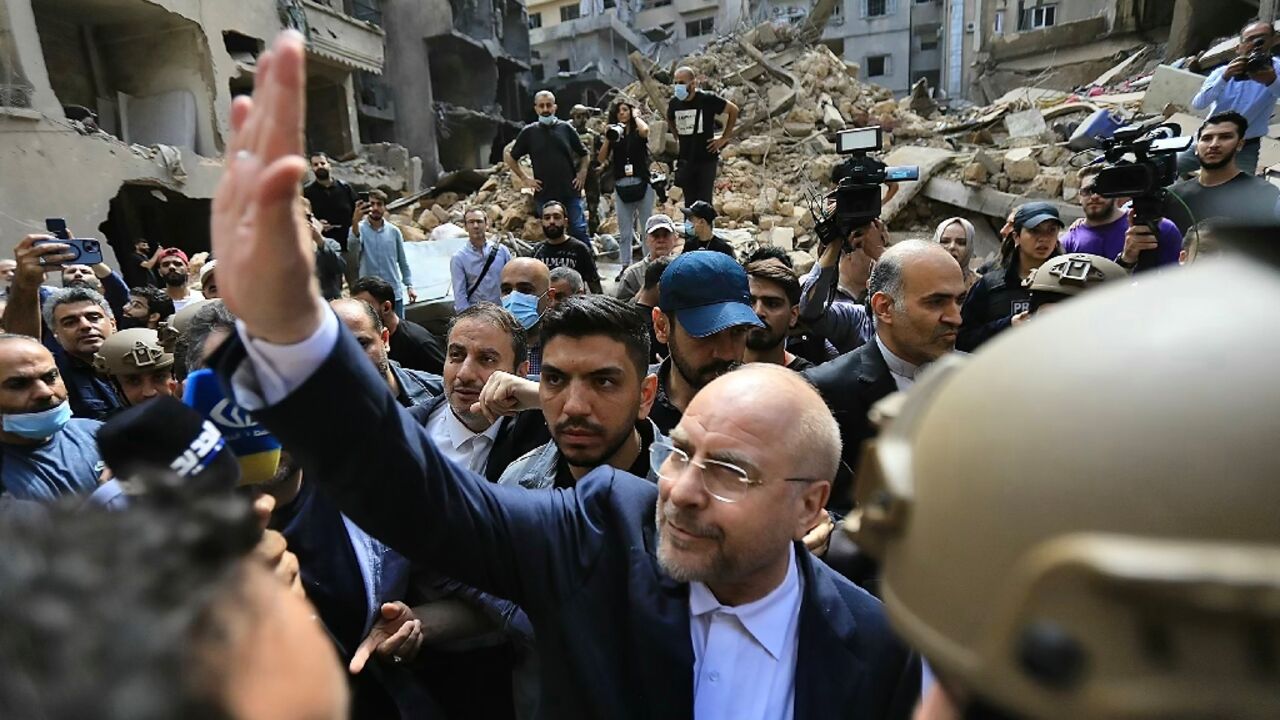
(627,140)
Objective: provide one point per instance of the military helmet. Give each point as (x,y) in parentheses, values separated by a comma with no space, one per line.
(131,352)
(1105,541)
(176,326)
(1074,273)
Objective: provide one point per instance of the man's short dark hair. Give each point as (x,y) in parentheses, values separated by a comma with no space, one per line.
(378,195)
(769,252)
(1257,21)
(563,210)
(377,288)
(587,315)
(211,316)
(474,209)
(80,584)
(158,301)
(1230,116)
(1088,171)
(778,274)
(505,322)
(653,273)
(319,153)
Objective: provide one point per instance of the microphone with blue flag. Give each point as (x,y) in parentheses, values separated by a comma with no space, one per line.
(254,446)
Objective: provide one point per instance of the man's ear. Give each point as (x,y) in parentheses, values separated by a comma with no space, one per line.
(388,308)
(153,320)
(795,316)
(813,506)
(648,393)
(386,336)
(880,305)
(661,327)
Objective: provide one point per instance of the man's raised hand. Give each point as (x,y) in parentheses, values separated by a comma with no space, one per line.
(265,254)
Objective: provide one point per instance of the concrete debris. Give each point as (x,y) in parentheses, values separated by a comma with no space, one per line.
(795,96)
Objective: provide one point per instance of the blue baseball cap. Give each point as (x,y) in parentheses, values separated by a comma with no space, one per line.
(707,292)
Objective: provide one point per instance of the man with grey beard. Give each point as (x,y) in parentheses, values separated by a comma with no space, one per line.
(712,611)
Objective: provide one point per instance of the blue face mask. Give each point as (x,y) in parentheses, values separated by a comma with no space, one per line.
(524,306)
(682,91)
(38,425)
(688,228)
(547,119)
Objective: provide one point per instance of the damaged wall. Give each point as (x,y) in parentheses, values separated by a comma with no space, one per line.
(170,56)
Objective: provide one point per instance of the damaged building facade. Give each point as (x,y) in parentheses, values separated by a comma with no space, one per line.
(456,82)
(115,113)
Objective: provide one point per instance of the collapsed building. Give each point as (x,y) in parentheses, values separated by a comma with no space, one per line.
(794,93)
(114,113)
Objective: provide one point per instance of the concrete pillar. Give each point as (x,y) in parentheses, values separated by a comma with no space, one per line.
(1190,31)
(1267,9)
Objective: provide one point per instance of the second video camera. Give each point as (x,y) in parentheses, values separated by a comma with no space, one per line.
(1140,162)
(858,180)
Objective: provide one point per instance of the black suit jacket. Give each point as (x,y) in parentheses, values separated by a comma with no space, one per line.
(851,384)
(612,627)
(516,435)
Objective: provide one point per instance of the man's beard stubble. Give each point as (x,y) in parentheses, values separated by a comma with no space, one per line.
(176,279)
(762,339)
(553,232)
(1226,160)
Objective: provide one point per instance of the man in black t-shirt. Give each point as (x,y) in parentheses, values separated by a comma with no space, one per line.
(700,230)
(410,344)
(691,116)
(560,250)
(1222,189)
(333,203)
(559,162)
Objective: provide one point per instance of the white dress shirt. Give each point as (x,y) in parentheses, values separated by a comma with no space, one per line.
(457,442)
(903,372)
(744,657)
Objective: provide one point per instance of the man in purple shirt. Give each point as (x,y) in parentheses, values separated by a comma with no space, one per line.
(1106,226)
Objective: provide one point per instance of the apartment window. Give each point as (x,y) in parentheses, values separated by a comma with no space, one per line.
(651,4)
(535,20)
(879,8)
(539,73)
(928,40)
(1034,18)
(879,65)
(999,26)
(610,4)
(570,12)
(698,28)
(563,65)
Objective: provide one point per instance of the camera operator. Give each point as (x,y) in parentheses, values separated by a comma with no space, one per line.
(1222,189)
(627,140)
(1246,85)
(1106,230)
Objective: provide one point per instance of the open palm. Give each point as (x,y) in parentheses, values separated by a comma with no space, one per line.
(263,246)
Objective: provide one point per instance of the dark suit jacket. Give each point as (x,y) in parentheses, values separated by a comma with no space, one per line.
(516,435)
(851,384)
(612,627)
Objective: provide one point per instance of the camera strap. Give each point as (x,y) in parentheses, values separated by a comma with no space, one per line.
(488,262)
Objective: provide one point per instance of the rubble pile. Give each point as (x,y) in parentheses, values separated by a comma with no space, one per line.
(793,97)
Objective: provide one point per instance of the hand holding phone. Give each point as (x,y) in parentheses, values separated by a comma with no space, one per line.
(83,251)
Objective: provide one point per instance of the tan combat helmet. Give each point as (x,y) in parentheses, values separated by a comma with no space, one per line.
(176,326)
(1105,543)
(132,352)
(1073,274)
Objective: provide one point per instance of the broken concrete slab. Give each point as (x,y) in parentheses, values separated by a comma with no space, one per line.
(1021,170)
(1170,85)
(992,165)
(975,173)
(929,160)
(783,237)
(987,201)
(1033,95)
(1025,124)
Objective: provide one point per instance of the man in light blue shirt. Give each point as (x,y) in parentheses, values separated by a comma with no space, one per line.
(380,247)
(475,276)
(1252,93)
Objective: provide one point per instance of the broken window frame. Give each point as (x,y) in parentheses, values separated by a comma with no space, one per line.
(887,7)
(700,27)
(570,12)
(886,67)
(535,20)
(1047,15)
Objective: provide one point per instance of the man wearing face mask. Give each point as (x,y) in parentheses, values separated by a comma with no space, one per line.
(45,454)
(560,163)
(692,115)
(562,251)
(700,230)
(525,282)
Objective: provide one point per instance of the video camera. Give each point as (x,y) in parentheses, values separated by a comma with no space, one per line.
(858,180)
(1257,60)
(1143,179)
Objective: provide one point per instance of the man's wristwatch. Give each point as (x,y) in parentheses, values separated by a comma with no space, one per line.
(1124,263)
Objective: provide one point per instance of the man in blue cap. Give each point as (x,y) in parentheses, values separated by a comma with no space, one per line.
(703,315)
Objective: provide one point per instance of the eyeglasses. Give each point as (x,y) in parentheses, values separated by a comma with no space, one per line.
(723,481)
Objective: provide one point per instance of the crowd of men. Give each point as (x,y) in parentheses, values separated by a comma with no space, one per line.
(580,504)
